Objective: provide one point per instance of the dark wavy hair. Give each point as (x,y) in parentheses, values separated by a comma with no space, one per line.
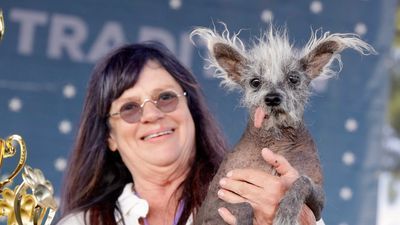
(96,175)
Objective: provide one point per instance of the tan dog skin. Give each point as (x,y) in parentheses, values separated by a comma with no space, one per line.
(274,78)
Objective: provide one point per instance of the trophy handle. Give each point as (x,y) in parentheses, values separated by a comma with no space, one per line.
(43,195)
(21,190)
(8,150)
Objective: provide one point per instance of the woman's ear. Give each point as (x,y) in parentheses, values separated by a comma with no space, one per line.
(112,144)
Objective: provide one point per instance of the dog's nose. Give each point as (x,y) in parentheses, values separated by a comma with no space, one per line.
(273,99)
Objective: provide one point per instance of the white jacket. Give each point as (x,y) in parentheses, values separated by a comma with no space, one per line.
(132,208)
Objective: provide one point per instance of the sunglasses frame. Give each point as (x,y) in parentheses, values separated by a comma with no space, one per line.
(148,100)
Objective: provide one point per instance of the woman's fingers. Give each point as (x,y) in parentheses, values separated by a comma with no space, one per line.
(230,197)
(257,187)
(281,165)
(250,184)
(263,179)
(279,162)
(264,210)
(227,216)
(236,189)
(255,177)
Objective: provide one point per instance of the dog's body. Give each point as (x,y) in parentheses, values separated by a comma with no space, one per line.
(296,146)
(275,79)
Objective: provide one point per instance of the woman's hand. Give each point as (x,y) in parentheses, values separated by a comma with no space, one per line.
(262,190)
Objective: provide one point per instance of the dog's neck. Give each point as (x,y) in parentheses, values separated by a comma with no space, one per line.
(279,135)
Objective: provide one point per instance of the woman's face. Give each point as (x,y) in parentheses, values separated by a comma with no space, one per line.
(157,139)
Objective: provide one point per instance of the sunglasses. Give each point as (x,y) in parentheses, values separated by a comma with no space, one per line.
(166,102)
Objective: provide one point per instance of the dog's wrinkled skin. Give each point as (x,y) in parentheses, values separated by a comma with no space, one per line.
(274,79)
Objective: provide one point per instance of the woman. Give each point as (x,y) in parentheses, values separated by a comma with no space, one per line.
(148,147)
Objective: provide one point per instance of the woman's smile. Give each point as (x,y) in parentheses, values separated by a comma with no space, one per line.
(157,135)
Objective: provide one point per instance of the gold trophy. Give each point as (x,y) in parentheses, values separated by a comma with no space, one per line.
(31,202)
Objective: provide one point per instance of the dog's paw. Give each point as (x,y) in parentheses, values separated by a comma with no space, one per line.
(286,214)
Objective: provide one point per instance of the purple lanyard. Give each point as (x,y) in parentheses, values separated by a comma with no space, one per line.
(177,215)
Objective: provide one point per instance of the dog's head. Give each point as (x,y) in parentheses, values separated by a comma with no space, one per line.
(273,75)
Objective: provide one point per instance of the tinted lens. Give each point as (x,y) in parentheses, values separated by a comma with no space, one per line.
(130,112)
(167,101)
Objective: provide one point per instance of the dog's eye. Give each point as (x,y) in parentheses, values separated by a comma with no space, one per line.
(255,83)
(294,79)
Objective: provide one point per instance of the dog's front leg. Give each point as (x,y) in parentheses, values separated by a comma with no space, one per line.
(303,190)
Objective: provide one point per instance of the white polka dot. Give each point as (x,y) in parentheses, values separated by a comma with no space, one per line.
(15,104)
(65,127)
(346,193)
(316,7)
(351,125)
(348,158)
(60,164)
(267,16)
(360,29)
(175,4)
(69,91)
(1,25)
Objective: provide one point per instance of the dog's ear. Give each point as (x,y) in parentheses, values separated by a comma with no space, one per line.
(227,55)
(319,57)
(320,52)
(229,60)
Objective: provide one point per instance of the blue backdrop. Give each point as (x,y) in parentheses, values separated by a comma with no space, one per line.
(50,47)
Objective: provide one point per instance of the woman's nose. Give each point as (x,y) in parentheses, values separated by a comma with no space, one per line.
(150,112)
